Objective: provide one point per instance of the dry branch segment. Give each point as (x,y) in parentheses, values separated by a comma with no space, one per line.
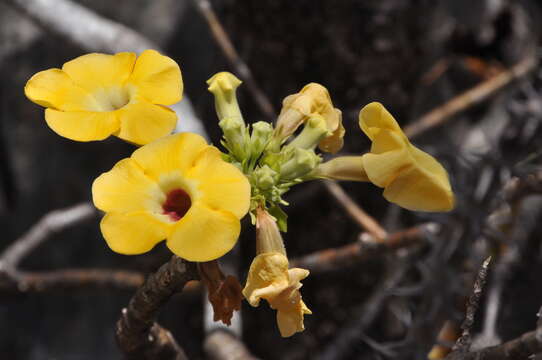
(520,348)
(470,97)
(464,341)
(138,336)
(70,279)
(49,224)
(359,215)
(368,247)
(223,40)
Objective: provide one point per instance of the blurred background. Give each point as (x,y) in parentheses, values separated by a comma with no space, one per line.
(414,56)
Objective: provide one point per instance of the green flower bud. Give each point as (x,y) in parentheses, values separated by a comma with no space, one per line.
(315,129)
(236,137)
(301,163)
(261,134)
(264,177)
(223,85)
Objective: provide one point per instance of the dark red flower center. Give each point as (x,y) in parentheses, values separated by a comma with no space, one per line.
(177,204)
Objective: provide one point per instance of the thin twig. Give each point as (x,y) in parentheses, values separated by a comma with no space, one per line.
(138,336)
(470,97)
(223,40)
(49,224)
(520,348)
(463,343)
(222,344)
(359,215)
(29,282)
(366,248)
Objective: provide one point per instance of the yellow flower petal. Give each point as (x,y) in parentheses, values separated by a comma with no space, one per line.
(158,78)
(53,88)
(132,233)
(267,277)
(374,117)
(291,320)
(142,122)
(170,153)
(334,142)
(126,189)
(298,108)
(412,178)
(424,187)
(93,71)
(204,234)
(222,186)
(417,191)
(382,169)
(83,125)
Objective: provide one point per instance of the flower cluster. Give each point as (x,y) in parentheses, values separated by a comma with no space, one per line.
(182,190)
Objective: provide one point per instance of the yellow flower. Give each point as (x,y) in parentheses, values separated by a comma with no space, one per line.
(98,95)
(269,278)
(176,188)
(312,99)
(410,177)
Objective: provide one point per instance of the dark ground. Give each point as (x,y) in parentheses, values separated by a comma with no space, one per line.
(362,51)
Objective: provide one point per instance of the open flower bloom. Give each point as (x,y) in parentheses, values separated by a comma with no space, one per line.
(176,188)
(269,278)
(98,95)
(410,177)
(312,99)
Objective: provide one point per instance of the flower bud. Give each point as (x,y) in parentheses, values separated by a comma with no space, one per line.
(315,130)
(301,163)
(268,238)
(261,134)
(264,177)
(235,134)
(224,85)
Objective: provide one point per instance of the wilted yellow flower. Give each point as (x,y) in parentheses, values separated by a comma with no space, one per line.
(410,177)
(176,188)
(98,95)
(269,278)
(312,99)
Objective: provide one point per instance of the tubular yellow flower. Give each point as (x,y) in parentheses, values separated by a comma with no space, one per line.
(297,108)
(410,177)
(269,278)
(176,188)
(98,95)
